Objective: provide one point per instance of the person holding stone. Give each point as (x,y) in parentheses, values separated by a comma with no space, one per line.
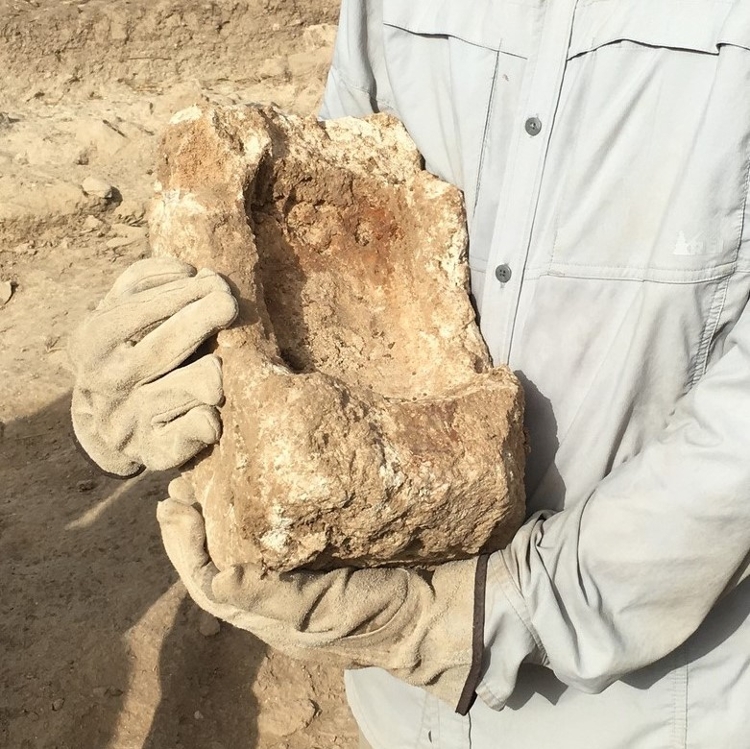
(603,149)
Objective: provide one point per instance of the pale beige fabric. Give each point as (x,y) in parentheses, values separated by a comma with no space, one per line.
(416,625)
(132,406)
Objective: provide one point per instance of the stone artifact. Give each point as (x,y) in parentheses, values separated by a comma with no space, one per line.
(363,423)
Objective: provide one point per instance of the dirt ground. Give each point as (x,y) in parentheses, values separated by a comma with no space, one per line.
(99,647)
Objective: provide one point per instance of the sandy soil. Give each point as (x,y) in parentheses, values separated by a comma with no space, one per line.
(100,648)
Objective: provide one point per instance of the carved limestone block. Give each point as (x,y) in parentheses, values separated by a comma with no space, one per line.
(363,423)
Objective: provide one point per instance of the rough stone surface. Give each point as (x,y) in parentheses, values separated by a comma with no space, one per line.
(363,423)
(97,187)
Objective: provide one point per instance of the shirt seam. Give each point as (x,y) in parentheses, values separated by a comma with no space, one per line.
(382,103)
(720,295)
(680,701)
(743,210)
(586,3)
(709,330)
(485,134)
(640,275)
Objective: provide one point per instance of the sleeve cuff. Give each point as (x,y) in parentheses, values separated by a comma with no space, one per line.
(509,638)
(469,692)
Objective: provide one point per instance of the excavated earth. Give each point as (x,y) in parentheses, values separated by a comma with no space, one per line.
(363,423)
(101,648)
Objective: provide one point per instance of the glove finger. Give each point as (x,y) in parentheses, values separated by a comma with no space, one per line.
(116,345)
(179,391)
(183,533)
(181,490)
(169,344)
(132,317)
(148,274)
(138,427)
(173,444)
(122,320)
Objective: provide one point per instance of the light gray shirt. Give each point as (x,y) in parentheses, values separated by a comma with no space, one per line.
(603,148)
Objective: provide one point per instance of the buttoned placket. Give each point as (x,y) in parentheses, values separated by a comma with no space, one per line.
(511,241)
(515,222)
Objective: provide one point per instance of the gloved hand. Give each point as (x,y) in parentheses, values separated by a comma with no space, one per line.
(422,627)
(132,406)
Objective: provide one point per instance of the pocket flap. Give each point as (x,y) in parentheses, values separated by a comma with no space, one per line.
(697,25)
(736,30)
(501,26)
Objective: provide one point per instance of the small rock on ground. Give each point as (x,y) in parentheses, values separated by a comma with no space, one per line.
(98,188)
(6,292)
(92,223)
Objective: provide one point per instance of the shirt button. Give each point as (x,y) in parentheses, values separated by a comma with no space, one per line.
(502,273)
(533,126)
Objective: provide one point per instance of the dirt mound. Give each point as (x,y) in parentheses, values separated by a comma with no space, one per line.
(54,47)
(101,649)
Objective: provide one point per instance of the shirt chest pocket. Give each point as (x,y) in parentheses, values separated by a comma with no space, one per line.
(648,162)
(446,64)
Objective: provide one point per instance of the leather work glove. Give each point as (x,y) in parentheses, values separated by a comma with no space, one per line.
(133,406)
(422,627)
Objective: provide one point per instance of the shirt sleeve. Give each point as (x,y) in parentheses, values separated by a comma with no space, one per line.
(620,580)
(357,82)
